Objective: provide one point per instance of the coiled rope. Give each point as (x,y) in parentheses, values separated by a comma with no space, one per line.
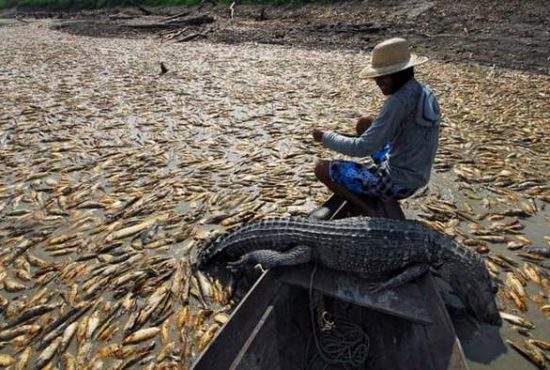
(343,344)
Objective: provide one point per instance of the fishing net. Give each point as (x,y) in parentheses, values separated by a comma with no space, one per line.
(338,343)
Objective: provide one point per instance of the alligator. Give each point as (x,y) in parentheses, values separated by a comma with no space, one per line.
(375,248)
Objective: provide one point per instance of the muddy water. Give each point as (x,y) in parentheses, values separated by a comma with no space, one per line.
(225,136)
(480,346)
(484,346)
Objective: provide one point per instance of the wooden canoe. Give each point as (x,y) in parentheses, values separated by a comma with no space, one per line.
(408,328)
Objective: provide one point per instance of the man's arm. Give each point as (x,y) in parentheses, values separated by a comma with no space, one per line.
(382,130)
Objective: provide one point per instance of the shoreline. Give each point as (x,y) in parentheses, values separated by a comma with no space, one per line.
(457,32)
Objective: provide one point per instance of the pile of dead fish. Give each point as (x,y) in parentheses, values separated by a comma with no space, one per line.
(112,177)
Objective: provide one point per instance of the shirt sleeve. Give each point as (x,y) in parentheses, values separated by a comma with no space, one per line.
(383,129)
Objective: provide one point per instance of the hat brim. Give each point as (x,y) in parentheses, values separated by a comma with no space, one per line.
(371,72)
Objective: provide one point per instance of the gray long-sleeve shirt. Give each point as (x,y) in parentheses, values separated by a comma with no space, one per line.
(409,122)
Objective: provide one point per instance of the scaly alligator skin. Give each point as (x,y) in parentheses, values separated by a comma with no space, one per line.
(371,247)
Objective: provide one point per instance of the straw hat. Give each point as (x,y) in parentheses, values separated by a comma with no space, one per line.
(391,56)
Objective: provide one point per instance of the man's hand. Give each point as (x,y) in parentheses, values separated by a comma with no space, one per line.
(318,134)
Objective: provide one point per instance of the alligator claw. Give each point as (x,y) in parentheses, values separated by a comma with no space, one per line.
(238,266)
(244,264)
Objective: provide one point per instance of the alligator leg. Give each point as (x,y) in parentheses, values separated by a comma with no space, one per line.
(411,273)
(270,258)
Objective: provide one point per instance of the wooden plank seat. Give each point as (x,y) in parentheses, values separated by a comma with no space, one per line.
(366,206)
(406,302)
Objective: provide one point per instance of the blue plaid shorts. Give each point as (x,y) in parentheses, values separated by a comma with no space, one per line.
(367,180)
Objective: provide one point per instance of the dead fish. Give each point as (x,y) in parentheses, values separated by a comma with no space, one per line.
(33,312)
(221,318)
(153,302)
(141,335)
(522,331)
(47,354)
(518,212)
(107,332)
(542,344)
(92,324)
(518,300)
(207,336)
(131,322)
(67,336)
(83,354)
(515,284)
(517,320)
(130,276)
(135,228)
(6,360)
(128,302)
(82,328)
(109,350)
(62,239)
(13,286)
(216,217)
(183,317)
(532,272)
(205,285)
(523,239)
(69,362)
(493,238)
(528,208)
(42,296)
(96,364)
(514,245)
(23,359)
(543,250)
(57,327)
(531,257)
(165,351)
(529,354)
(508,260)
(24,329)
(133,361)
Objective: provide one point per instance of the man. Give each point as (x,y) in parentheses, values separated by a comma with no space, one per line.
(402,140)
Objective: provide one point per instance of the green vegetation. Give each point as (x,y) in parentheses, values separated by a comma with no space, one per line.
(95,4)
(91,4)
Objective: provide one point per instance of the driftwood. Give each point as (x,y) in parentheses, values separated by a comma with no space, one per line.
(190,37)
(192,21)
(193,36)
(179,15)
(170,36)
(232,10)
(171,24)
(348,28)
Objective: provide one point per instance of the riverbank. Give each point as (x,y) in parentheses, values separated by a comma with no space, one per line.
(508,34)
